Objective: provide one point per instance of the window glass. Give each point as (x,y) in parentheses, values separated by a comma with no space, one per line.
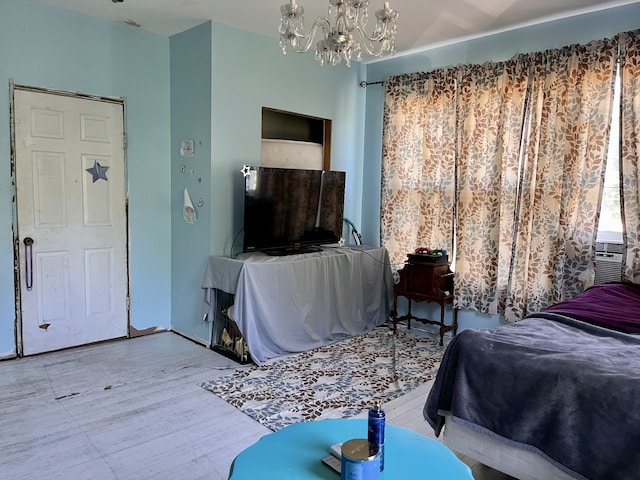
(610,226)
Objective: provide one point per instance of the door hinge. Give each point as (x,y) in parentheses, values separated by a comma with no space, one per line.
(124,141)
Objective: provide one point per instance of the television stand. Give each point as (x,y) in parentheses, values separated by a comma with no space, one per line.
(295,303)
(283,252)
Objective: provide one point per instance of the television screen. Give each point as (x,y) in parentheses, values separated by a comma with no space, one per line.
(286,210)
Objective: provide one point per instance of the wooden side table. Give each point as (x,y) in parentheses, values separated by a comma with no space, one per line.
(425,279)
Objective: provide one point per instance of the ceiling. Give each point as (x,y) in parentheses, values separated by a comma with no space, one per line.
(422,23)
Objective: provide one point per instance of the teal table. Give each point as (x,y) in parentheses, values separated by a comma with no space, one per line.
(296,452)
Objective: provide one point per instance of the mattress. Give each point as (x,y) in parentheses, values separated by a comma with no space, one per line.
(509,459)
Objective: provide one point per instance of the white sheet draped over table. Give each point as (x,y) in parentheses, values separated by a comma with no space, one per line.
(299,302)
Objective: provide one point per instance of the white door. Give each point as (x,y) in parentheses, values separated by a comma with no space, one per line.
(71,216)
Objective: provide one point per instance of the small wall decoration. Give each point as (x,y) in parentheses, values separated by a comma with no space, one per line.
(189,213)
(187,148)
(98,171)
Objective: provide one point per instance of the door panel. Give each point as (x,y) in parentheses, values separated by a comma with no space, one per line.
(53,280)
(96,196)
(99,285)
(71,200)
(48,190)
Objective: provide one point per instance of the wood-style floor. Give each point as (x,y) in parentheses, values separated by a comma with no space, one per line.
(132,409)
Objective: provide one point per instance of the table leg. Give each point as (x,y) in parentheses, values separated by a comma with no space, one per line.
(455,320)
(394,312)
(442,326)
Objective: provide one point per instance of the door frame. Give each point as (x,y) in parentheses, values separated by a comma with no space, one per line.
(17,258)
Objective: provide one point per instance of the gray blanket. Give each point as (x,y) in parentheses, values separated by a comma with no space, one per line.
(562,388)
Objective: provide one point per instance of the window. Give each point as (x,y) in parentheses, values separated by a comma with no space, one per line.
(610,226)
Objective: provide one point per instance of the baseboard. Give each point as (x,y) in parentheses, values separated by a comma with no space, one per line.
(9,355)
(197,340)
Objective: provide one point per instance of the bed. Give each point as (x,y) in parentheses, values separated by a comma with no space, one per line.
(553,396)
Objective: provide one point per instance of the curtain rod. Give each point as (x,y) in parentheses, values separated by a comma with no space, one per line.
(364,84)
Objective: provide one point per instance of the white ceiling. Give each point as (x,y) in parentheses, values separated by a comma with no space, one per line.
(421,24)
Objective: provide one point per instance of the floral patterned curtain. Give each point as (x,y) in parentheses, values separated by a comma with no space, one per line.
(630,152)
(562,168)
(516,151)
(418,163)
(491,102)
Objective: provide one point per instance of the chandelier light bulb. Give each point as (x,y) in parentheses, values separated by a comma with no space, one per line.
(343,31)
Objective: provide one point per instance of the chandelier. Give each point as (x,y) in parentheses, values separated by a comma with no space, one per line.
(345,19)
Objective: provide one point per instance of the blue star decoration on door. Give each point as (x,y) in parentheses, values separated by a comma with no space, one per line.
(98,171)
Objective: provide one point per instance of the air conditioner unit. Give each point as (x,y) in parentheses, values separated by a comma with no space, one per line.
(608,262)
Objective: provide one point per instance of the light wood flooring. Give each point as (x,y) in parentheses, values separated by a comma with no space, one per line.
(132,409)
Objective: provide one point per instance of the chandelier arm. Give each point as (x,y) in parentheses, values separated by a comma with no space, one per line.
(341,22)
(320,22)
(366,39)
(365,35)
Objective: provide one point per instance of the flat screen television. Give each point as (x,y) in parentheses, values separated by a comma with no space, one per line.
(289,211)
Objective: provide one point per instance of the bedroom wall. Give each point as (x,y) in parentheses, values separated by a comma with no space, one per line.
(53,48)
(247,72)
(190,54)
(497,47)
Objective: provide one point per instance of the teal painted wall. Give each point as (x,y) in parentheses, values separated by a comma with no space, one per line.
(190,120)
(498,47)
(52,48)
(247,72)
(250,72)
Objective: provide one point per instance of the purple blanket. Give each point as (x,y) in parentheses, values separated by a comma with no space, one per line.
(564,388)
(610,305)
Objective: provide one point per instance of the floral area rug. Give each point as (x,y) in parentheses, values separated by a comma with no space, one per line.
(340,380)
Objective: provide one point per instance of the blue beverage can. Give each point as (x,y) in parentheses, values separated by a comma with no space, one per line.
(360,461)
(376,430)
